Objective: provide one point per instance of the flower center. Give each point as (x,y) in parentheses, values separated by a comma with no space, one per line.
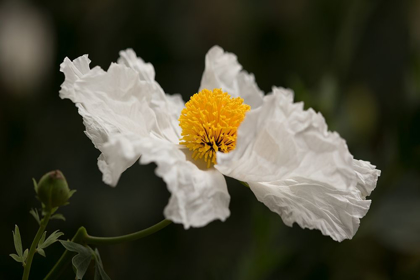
(209,123)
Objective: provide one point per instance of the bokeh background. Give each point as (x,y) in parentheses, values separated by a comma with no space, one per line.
(356,61)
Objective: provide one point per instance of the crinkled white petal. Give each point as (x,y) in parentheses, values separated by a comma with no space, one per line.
(280,141)
(118,153)
(119,107)
(130,59)
(74,70)
(199,196)
(223,71)
(314,205)
(166,107)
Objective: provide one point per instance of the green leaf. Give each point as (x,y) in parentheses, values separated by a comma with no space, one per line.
(44,243)
(41,252)
(99,267)
(16,257)
(25,255)
(35,214)
(83,258)
(42,239)
(58,216)
(17,240)
(51,239)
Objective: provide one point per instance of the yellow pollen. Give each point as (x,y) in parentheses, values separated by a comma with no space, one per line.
(209,123)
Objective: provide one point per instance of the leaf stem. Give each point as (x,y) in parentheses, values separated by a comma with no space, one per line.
(32,250)
(83,238)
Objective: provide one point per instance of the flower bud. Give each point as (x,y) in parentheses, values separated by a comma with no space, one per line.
(52,190)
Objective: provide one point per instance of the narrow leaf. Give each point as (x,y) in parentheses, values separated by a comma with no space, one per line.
(58,216)
(17,240)
(42,239)
(25,255)
(41,252)
(35,214)
(16,257)
(51,239)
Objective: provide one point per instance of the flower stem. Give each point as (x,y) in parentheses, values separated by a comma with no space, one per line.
(83,238)
(93,240)
(32,250)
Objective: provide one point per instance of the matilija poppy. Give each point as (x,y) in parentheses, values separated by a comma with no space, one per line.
(286,154)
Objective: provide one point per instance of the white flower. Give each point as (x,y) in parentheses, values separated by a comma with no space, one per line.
(291,162)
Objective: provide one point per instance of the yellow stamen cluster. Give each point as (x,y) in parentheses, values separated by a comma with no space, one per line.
(209,123)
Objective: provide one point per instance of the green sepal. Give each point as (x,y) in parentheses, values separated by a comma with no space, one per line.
(53,190)
(244,183)
(71,193)
(58,216)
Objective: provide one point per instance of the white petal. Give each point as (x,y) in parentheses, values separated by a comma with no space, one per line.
(367,176)
(74,70)
(130,59)
(199,196)
(119,108)
(280,141)
(223,71)
(167,107)
(314,205)
(118,154)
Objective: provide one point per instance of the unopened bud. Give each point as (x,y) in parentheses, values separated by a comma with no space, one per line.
(52,190)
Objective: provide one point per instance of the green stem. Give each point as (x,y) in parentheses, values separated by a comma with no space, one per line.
(32,250)
(83,238)
(93,240)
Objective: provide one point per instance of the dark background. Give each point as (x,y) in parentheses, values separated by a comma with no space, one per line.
(358,62)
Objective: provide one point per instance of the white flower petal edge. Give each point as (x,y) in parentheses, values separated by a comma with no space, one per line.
(128,115)
(299,169)
(223,71)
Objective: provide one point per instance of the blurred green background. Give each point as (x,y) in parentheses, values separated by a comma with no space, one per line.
(358,62)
